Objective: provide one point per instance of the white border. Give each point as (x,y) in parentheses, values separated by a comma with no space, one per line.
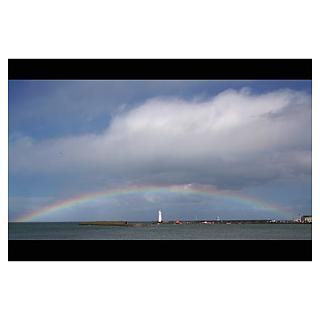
(166,29)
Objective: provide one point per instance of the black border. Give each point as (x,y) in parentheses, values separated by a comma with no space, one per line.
(160,250)
(223,69)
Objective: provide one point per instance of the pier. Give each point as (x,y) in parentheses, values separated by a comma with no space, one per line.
(182,222)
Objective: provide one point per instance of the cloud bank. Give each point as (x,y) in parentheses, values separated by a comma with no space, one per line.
(232,140)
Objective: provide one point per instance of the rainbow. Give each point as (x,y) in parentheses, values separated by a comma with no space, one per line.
(136,189)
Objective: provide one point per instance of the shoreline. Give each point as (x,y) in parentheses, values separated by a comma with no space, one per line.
(180,222)
(176,222)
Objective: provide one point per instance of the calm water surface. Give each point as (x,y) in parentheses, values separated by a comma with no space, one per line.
(74,231)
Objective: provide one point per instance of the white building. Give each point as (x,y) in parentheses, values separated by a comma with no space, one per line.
(160,217)
(306,219)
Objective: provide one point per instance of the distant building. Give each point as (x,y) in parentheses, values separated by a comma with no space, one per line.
(159,216)
(306,219)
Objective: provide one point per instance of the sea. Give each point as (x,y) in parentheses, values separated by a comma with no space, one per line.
(149,231)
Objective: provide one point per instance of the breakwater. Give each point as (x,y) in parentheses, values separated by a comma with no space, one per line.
(177,222)
(110,223)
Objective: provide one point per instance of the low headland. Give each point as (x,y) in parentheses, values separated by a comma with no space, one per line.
(179,222)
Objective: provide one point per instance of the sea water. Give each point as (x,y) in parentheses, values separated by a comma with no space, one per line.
(149,231)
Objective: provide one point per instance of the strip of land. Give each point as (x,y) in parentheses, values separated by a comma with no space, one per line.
(178,222)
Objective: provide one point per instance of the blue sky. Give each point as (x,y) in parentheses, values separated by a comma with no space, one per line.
(73,137)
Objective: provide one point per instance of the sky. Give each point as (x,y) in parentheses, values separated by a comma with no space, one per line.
(73,138)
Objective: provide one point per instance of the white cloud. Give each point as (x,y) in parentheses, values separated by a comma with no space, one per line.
(234,138)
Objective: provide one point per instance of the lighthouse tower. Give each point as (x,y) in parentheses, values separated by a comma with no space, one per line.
(160,217)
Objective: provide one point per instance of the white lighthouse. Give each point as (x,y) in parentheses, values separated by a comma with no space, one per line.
(160,217)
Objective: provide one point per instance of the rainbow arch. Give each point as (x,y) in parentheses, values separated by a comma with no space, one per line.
(136,189)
